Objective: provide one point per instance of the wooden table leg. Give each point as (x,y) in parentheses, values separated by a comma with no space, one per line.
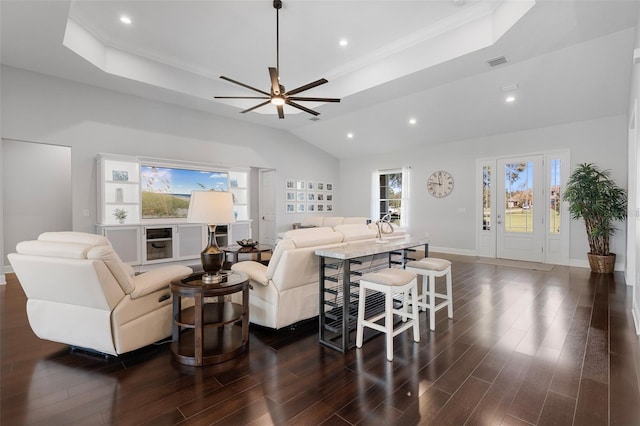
(198,331)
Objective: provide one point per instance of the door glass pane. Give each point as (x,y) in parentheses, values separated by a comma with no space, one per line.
(518,214)
(554,190)
(486,198)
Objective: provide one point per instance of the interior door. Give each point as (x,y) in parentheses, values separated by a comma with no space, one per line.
(520,208)
(267,210)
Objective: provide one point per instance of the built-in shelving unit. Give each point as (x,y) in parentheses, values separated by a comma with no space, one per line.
(141,241)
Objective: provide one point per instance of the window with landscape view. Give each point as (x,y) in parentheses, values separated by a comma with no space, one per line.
(391,198)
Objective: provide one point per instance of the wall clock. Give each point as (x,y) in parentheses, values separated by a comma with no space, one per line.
(440,184)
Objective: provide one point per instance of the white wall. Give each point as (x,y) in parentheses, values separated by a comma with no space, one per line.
(634,184)
(37,197)
(44,109)
(450,221)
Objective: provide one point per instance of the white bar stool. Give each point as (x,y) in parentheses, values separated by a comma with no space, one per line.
(430,268)
(389,281)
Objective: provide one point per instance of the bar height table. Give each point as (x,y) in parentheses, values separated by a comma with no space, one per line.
(337,318)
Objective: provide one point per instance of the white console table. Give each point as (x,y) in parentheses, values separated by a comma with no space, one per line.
(340,268)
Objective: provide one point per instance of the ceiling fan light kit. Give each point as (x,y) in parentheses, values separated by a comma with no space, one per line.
(278,96)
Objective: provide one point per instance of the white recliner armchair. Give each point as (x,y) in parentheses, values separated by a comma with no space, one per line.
(80,293)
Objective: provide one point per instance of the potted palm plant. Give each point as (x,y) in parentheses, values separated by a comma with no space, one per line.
(596,198)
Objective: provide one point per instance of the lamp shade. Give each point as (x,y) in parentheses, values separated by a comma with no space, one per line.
(211,207)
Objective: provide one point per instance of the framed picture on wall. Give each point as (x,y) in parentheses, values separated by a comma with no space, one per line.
(301,207)
(290,184)
(311,196)
(320,186)
(319,196)
(302,196)
(300,185)
(320,207)
(311,208)
(311,185)
(329,197)
(290,208)
(329,187)
(329,207)
(291,196)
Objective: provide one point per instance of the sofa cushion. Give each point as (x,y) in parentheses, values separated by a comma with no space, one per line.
(355,219)
(75,237)
(355,232)
(54,249)
(115,265)
(282,245)
(332,221)
(311,237)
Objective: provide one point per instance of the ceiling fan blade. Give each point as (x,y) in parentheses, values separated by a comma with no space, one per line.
(275,82)
(300,107)
(244,85)
(257,106)
(301,98)
(307,86)
(240,97)
(280,111)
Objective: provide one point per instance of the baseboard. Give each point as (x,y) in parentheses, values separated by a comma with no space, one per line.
(448,250)
(635,313)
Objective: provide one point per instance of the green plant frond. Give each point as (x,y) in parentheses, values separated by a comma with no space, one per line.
(594,197)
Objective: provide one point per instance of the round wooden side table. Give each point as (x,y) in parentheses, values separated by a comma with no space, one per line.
(210,332)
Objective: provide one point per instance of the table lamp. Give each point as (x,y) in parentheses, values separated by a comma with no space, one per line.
(211,208)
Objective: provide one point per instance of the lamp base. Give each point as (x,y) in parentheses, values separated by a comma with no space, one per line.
(212,257)
(213,277)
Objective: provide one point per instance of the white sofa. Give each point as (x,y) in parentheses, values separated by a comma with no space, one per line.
(331,221)
(287,291)
(80,293)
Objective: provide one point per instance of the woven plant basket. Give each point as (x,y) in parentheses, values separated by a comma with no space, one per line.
(602,264)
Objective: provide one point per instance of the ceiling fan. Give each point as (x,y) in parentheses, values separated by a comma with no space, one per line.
(278,96)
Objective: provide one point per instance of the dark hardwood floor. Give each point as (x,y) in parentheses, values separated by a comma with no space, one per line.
(525,347)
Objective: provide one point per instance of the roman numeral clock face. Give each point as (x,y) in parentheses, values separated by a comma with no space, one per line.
(440,184)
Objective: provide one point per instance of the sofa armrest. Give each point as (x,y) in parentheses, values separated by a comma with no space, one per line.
(157,279)
(257,271)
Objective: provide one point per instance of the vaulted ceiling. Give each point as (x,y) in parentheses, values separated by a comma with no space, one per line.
(424,60)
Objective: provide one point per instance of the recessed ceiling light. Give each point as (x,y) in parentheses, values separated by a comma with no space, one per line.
(125,20)
(343,42)
(510,99)
(412,121)
(350,135)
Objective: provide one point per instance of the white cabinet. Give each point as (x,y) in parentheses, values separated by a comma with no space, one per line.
(192,238)
(167,243)
(118,189)
(158,244)
(125,241)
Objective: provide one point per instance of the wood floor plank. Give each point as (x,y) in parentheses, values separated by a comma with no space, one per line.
(557,410)
(461,404)
(524,348)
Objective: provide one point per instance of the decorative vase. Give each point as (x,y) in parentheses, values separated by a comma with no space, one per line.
(602,264)
(121,220)
(119,195)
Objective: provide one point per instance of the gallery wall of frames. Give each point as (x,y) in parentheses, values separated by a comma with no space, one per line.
(308,196)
